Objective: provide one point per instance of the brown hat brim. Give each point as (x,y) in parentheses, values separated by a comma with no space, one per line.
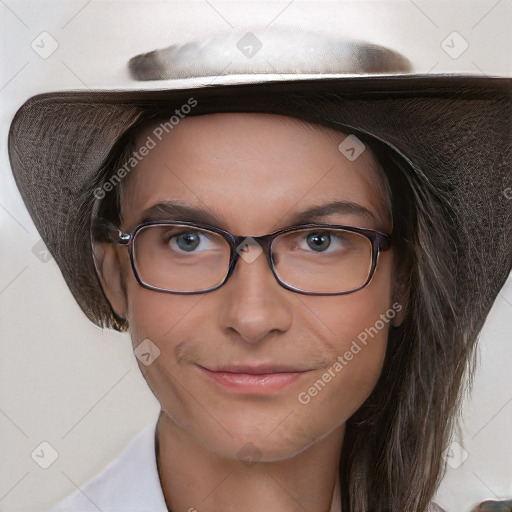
(454,130)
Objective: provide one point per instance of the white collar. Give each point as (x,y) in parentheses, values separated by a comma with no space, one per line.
(130,483)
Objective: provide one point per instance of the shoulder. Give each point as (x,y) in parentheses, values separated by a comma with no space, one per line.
(130,483)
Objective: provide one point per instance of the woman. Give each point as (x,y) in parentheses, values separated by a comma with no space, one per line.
(396,145)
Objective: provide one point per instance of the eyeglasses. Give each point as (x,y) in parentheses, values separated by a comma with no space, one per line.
(315,259)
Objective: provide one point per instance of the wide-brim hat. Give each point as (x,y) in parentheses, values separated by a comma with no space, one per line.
(453,131)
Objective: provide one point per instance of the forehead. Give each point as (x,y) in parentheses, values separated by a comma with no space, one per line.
(251,163)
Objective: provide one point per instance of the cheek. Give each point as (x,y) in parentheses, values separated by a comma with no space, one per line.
(159,322)
(365,314)
(334,393)
(165,319)
(358,326)
(152,315)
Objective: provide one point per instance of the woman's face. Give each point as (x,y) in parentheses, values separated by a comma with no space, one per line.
(254,173)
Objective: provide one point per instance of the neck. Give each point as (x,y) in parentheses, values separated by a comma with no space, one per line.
(197,479)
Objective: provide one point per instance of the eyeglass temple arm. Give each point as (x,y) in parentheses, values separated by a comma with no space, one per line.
(383,242)
(123,238)
(110,232)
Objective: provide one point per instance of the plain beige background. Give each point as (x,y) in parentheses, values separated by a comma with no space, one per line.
(66,382)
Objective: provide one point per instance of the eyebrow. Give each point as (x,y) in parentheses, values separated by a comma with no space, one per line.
(335,207)
(168,210)
(173,210)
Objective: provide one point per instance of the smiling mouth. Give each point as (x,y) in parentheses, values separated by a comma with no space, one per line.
(253,380)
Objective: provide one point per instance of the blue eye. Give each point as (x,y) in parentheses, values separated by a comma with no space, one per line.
(187,241)
(319,241)
(324,242)
(191,242)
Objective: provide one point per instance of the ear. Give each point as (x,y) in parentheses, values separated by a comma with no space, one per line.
(110,272)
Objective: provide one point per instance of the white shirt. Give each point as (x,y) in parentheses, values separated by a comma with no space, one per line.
(130,483)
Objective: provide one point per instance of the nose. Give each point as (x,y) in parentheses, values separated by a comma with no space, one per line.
(253,304)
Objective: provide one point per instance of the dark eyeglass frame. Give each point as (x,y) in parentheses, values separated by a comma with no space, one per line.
(380,242)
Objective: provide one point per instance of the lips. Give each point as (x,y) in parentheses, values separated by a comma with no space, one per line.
(253,379)
(255,369)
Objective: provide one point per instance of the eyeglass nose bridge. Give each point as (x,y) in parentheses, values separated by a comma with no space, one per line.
(239,243)
(264,242)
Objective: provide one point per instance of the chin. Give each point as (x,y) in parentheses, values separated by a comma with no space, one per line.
(265,439)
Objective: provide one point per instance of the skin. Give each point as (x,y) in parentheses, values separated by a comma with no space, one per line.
(254,171)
